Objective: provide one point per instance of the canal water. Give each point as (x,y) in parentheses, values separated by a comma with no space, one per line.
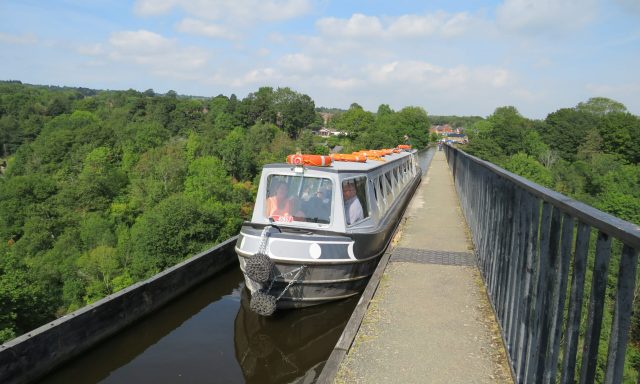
(210,335)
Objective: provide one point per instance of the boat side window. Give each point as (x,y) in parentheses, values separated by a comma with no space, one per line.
(396,178)
(383,191)
(389,188)
(354,193)
(377,191)
(296,198)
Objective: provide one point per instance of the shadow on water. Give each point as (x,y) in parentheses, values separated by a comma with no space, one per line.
(210,335)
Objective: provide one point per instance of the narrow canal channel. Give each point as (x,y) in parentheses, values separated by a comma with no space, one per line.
(210,335)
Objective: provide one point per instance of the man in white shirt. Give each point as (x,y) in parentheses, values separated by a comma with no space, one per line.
(352,208)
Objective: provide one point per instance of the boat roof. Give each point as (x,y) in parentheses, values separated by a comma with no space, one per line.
(350,166)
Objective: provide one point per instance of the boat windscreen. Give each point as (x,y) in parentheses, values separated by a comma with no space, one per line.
(298,198)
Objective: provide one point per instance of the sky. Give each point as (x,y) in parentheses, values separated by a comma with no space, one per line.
(450,57)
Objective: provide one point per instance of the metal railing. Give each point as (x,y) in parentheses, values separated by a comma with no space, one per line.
(529,241)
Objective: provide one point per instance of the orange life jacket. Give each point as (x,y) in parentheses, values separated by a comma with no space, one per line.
(273,209)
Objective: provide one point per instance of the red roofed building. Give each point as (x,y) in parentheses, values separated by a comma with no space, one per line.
(444,130)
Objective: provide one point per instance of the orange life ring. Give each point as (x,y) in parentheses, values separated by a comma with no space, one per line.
(314,160)
(370,155)
(404,146)
(346,157)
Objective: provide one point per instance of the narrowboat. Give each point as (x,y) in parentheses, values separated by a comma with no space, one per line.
(321,224)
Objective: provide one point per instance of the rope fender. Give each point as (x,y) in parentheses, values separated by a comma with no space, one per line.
(259,267)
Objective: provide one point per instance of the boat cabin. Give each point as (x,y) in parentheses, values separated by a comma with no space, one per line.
(341,197)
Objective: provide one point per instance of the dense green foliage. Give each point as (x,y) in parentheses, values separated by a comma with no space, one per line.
(104,188)
(591,153)
(382,129)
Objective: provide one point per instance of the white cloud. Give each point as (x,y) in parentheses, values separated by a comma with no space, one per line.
(24,39)
(358,25)
(153,7)
(260,76)
(545,16)
(199,27)
(237,10)
(439,23)
(297,62)
(151,50)
(91,49)
(343,84)
(437,77)
(263,52)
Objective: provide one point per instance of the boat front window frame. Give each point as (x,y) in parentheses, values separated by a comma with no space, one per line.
(297,199)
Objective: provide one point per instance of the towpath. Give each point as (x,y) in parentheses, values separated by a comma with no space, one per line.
(430,320)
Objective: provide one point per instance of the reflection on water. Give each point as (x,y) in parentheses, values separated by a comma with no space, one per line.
(290,347)
(210,335)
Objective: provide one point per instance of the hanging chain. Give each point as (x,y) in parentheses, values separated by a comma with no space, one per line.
(262,248)
(296,271)
(293,281)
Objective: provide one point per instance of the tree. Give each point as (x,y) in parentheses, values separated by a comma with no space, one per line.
(258,107)
(98,268)
(20,198)
(565,130)
(354,121)
(600,106)
(208,181)
(414,122)
(294,111)
(98,182)
(620,133)
(25,302)
(529,168)
(514,133)
(236,155)
(177,227)
(159,173)
(96,230)
(383,110)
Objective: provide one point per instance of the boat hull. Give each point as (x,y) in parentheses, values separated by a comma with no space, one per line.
(314,284)
(299,281)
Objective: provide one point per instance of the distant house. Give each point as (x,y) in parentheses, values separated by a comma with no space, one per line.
(444,130)
(326,132)
(459,138)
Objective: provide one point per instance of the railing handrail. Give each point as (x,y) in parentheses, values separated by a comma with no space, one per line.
(529,243)
(625,231)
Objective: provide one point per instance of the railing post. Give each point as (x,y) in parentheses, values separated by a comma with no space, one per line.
(596,307)
(622,315)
